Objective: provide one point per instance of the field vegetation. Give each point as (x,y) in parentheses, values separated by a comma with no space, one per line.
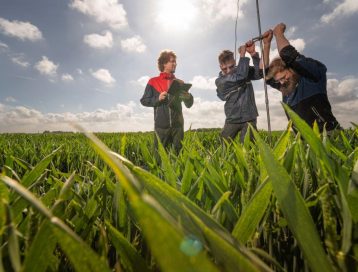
(104,202)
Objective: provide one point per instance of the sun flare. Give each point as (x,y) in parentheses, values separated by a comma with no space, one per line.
(176,15)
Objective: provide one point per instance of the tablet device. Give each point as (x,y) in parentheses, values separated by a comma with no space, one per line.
(176,88)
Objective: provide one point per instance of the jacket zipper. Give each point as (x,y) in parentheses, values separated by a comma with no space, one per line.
(170,112)
(315,111)
(170,115)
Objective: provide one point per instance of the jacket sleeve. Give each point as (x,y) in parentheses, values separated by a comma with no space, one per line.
(306,67)
(227,84)
(150,97)
(254,71)
(273,83)
(189,102)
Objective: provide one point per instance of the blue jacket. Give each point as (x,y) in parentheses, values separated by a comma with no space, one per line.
(309,100)
(312,73)
(236,89)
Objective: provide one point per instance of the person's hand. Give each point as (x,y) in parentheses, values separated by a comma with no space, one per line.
(250,47)
(163,96)
(279,29)
(242,50)
(267,36)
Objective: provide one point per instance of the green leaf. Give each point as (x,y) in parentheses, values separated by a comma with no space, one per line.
(168,171)
(337,173)
(4,200)
(37,171)
(187,177)
(293,207)
(81,256)
(255,209)
(312,139)
(162,238)
(130,259)
(353,184)
(165,241)
(253,213)
(41,250)
(70,243)
(13,243)
(231,258)
(173,201)
(65,193)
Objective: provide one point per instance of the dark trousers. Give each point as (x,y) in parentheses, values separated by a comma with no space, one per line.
(317,108)
(169,137)
(230,131)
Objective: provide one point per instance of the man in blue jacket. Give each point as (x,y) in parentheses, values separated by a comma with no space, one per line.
(168,116)
(235,88)
(303,83)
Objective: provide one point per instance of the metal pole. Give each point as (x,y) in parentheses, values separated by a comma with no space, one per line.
(264,70)
(237,17)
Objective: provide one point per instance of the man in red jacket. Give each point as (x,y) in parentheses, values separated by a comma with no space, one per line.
(168,116)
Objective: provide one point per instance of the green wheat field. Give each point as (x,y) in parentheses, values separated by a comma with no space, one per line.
(105,202)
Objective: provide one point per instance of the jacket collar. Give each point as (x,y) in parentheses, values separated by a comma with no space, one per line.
(169,76)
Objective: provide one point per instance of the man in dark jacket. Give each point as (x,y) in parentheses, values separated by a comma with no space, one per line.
(168,116)
(235,88)
(303,83)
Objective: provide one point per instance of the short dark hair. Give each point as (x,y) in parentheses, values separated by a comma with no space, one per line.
(225,56)
(164,58)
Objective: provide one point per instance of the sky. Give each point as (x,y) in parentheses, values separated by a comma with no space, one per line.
(88,61)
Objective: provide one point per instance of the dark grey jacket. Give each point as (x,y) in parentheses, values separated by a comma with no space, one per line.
(167,113)
(236,89)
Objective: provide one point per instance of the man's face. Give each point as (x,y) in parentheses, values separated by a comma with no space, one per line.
(283,77)
(170,66)
(288,81)
(227,67)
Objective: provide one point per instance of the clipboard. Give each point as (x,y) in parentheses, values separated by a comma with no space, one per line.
(176,88)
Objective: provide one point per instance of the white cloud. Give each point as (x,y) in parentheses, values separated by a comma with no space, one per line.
(344,9)
(142,81)
(67,77)
(20,30)
(134,117)
(299,44)
(203,83)
(19,60)
(109,12)
(79,71)
(342,91)
(204,114)
(134,44)
(278,118)
(46,67)
(20,116)
(122,117)
(99,41)
(176,15)
(218,10)
(104,76)
(290,31)
(343,95)
(10,99)
(3,46)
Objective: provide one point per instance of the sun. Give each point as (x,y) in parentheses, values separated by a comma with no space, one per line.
(176,15)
